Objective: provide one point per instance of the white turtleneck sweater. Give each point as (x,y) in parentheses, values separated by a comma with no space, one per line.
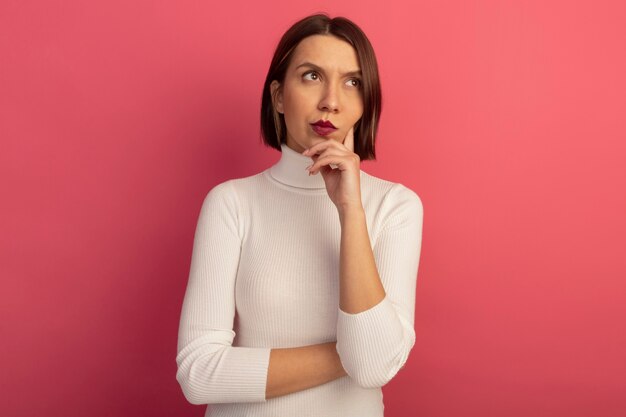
(265,274)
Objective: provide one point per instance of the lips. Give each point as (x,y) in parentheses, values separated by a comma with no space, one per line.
(322,131)
(324,123)
(323,127)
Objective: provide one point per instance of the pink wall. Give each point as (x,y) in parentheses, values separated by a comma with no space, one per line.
(116,118)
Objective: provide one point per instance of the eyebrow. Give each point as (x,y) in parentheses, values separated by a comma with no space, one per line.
(320,69)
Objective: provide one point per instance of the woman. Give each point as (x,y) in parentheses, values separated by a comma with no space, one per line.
(301,293)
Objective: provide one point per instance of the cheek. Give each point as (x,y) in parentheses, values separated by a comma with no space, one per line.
(295,102)
(357,104)
(358,110)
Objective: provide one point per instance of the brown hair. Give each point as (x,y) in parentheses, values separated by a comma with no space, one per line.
(273,128)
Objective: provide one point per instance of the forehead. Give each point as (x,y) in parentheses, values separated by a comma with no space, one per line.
(326,51)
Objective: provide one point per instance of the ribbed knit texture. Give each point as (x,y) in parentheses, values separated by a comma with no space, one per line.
(265,274)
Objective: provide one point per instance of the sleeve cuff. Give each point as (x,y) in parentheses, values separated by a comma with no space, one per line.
(228,374)
(252,364)
(368,343)
(370,330)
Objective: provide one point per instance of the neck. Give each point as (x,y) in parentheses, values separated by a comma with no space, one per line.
(291,170)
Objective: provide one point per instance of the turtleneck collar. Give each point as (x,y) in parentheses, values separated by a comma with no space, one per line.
(291,170)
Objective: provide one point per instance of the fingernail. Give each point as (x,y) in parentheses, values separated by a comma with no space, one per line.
(305,151)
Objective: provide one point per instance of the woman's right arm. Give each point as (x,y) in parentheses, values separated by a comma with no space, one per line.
(300,368)
(211,370)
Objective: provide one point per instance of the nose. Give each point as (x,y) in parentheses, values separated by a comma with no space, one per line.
(330,99)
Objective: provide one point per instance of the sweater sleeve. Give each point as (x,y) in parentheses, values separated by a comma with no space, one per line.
(374,344)
(210,369)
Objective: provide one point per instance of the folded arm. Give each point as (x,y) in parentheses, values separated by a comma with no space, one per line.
(377,289)
(211,370)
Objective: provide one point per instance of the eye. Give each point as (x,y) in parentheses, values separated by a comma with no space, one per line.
(357,81)
(310,72)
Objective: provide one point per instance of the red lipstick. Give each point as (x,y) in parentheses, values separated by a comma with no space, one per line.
(323,127)
(324,123)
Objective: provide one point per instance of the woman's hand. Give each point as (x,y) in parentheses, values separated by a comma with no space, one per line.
(343,183)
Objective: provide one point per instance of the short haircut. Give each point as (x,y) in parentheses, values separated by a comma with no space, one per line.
(273,127)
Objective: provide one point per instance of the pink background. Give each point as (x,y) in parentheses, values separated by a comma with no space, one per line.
(507,118)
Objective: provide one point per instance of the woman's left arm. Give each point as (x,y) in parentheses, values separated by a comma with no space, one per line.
(377,288)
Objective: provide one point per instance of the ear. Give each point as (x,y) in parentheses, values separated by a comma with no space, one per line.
(277,96)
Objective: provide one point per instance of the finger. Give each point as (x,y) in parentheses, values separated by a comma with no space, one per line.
(348,142)
(329,151)
(338,160)
(318,148)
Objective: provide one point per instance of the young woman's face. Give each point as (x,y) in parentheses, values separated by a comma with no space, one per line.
(320,83)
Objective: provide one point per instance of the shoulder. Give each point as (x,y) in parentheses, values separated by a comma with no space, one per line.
(220,191)
(221,197)
(235,188)
(401,194)
(391,194)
